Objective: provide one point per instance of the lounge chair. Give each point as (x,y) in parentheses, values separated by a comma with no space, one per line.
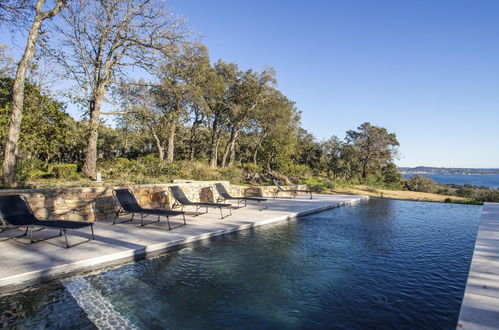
(294,192)
(127,204)
(182,200)
(16,213)
(224,196)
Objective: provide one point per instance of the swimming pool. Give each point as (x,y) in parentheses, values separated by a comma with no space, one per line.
(376,264)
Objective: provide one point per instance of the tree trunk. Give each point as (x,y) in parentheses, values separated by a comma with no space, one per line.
(161,151)
(16,114)
(260,142)
(171,142)
(214,145)
(90,164)
(232,144)
(194,129)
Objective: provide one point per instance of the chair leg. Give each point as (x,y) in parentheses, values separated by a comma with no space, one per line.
(60,232)
(92,230)
(141,219)
(66,237)
(310,195)
(221,214)
(158,217)
(260,206)
(168,220)
(115,217)
(183,215)
(30,235)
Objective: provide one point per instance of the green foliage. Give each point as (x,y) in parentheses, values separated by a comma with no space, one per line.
(296,171)
(466,192)
(45,128)
(318,184)
(31,169)
(421,184)
(64,171)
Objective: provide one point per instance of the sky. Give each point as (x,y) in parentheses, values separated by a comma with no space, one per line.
(427,70)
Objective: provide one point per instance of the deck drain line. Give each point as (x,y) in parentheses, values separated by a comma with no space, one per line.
(99,310)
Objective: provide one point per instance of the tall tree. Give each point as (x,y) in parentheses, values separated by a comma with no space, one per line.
(16,114)
(101,39)
(375,145)
(248,92)
(180,76)
(217,95)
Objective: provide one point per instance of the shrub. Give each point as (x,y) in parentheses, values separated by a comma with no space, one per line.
(421,184)
(64,171)
(232,174)
(31,169)
(296,171)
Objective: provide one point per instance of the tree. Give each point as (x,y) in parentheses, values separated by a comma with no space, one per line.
(7,66)
(16,114)
(140,110)
(45,128)
(375,145)
(247,93)
(330,159)
(101,39)
(216,93)
(178,88)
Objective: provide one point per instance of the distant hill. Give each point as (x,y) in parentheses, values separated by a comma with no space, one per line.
(447,170)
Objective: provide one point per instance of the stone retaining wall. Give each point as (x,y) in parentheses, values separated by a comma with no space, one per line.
(93,203)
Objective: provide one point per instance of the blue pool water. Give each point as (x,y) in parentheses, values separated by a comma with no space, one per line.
(487,180)
(381,264)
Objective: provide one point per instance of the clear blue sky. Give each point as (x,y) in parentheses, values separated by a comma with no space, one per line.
(427,70)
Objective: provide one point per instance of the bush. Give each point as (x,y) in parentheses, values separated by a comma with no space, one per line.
(232,174)
(64,171)
(421,184)
(296,171)
(318,184)
(31,169)
(466,192)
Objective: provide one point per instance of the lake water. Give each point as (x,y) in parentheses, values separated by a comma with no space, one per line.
(489,180)
(380,264)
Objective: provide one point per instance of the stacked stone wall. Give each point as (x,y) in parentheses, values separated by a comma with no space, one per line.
(94,203)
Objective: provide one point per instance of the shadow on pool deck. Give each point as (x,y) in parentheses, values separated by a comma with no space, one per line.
(25,264)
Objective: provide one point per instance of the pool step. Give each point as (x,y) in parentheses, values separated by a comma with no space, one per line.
(99,310)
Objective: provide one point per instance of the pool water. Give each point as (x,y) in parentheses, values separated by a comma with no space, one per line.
(380,264)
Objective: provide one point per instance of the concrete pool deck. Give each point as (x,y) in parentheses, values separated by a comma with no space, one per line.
(23,264)
(480,306)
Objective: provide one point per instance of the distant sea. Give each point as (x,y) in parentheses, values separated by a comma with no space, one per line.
(489,180)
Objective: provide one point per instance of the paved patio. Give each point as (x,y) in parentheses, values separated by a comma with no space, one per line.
(480,307)
(23,264)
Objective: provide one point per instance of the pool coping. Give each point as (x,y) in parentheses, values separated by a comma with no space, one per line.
(15,282)
(480,305)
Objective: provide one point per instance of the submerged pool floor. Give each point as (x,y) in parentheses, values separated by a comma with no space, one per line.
(380,264)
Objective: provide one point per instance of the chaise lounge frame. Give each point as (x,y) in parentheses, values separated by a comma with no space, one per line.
(294,192)
(127,204)
(181,200)
(16,212)
(224,196)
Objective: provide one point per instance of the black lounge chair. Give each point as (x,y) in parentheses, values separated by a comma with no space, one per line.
(182,200)
(224,195)
(128,204)
(294,192)
(16,213)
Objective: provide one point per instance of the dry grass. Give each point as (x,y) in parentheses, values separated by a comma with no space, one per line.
(395,194)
